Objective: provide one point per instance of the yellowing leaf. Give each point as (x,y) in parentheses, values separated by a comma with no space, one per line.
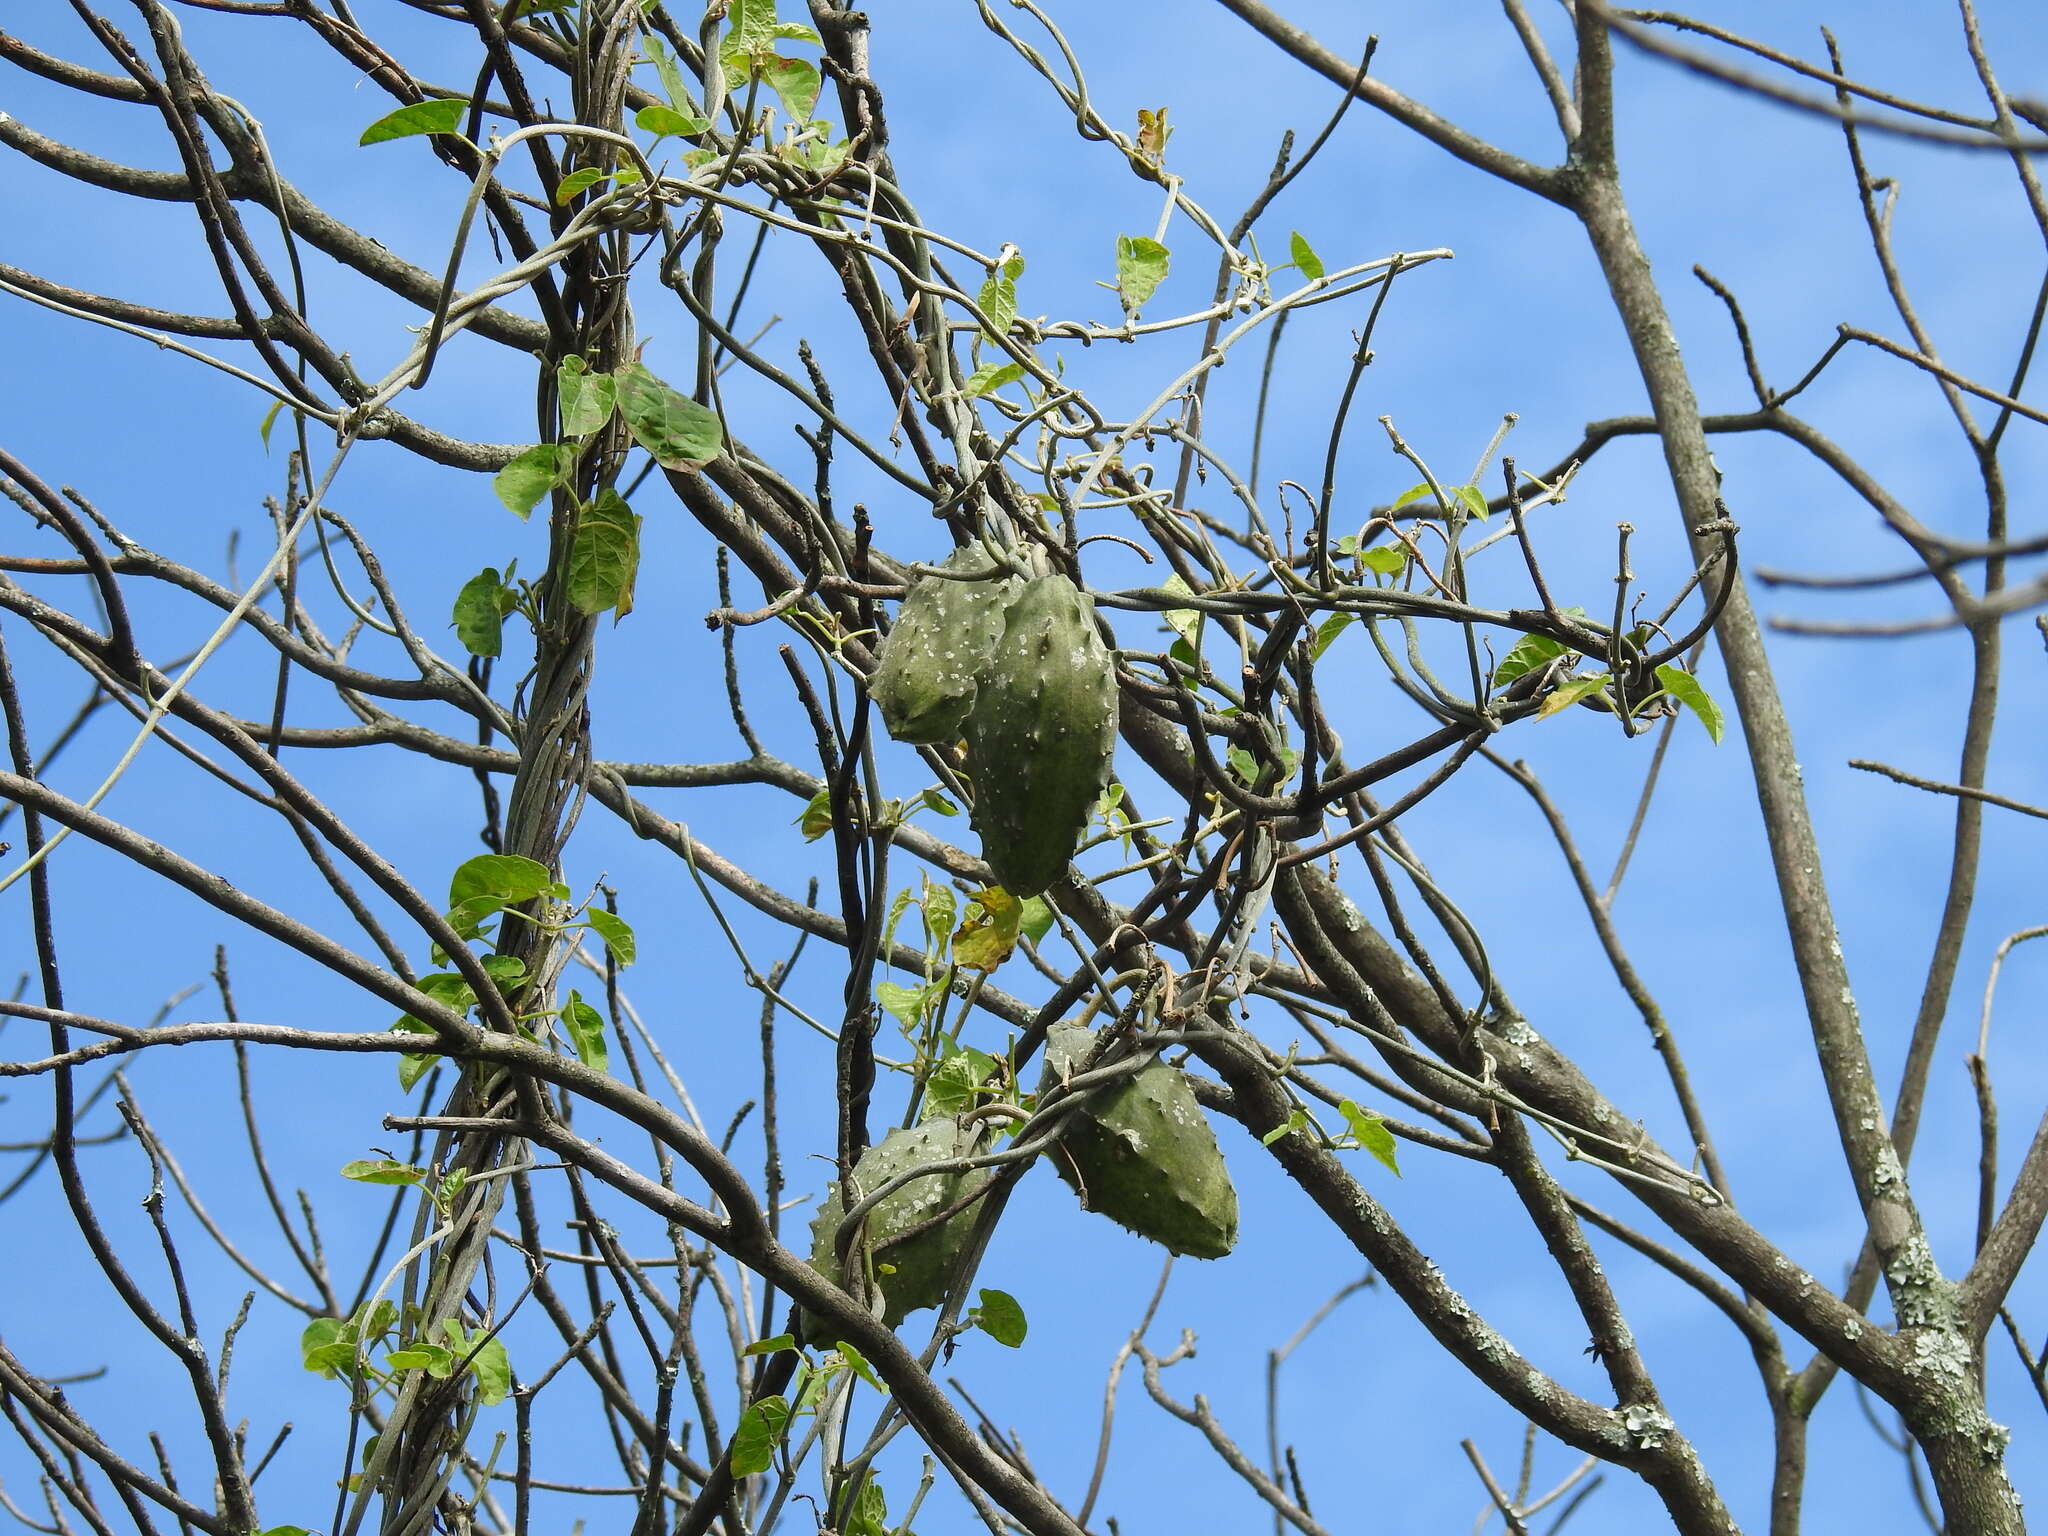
(1568,694)
(1152,136)
(988,936)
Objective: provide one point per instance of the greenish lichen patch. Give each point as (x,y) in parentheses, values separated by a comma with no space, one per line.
(1644,1426)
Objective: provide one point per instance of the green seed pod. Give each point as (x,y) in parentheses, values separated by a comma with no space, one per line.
(928,666)
(920,1269)
(1042,735)
(1141,1153)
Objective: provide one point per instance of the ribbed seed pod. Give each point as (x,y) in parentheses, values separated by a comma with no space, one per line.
(930,663)
(920,1269)
(1041,735)
(1142,1154)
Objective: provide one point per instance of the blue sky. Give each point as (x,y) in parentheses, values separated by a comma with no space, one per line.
(1517,322)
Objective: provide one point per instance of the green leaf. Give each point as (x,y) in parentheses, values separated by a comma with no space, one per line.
(381,1170)
(1567,694)
(578,182)
(990,377)
(760,1431)
(604,555)
(898,905)
(795,32)
(858,1364)
(1243,764)
(586,1033)
(269,421)
(985,940)
(1387,559)
(1304,256)
(957,1081)
(488,1362)
(333,1360)
(1001,1318)
(1185,622)
(1685,688)
(479,620)
(438,115)
(810,1383)
(286,1530)
(1371,1132)
(468,917)
(818,155)
(412,1066)
(504,969)
(492,1369)
(508,876)
(419,1360)
(667,122)
(869,1515)
(750,25)
(905,1004)
(316,1340)
(1475,503)
(1413,493)
(1294,1122)
(680,433)
(441,1362)
(671,77)
(1141,264)
(774,1346)
(998,297)
(1531,652)
(817,817)
(937,910)
(1037,920)
(616,932)
(586,399)
(443,987)
(1327,633)
(796,82)
(934,800)
(527,479)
